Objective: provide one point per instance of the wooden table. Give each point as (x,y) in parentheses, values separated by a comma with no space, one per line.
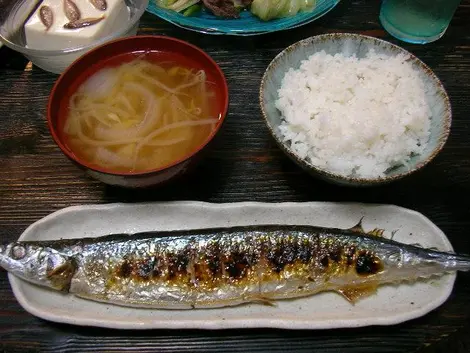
(244,164)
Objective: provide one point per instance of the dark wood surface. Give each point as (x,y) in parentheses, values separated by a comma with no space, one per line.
(244,164)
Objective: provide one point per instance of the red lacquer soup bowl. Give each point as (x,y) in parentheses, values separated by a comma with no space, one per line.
(112,54)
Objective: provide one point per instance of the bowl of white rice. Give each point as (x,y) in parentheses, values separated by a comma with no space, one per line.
(355,110)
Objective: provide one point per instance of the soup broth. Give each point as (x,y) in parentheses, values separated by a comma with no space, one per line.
(140,115)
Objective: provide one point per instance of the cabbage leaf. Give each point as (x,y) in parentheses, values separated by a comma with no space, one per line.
(270,9)
(176,5)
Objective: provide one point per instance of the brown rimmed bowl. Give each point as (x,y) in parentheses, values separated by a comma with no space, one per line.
(110,54)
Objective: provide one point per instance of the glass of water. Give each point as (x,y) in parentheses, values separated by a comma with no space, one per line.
(417,21)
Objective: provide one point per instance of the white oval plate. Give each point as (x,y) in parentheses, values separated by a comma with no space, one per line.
(391,305)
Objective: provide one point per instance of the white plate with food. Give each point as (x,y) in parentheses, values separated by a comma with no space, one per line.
(229,18)
(389,305)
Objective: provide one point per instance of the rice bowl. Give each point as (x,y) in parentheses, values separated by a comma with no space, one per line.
(372,116)
(355,109)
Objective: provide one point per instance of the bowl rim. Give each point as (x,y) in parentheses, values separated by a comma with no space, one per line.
(57,52)
(223,88)
(447,116)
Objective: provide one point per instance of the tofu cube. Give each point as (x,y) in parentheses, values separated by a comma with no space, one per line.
(57,37)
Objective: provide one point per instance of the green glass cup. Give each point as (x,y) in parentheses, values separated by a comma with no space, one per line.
(417,21)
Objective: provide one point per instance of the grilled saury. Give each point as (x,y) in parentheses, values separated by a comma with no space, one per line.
(224,266)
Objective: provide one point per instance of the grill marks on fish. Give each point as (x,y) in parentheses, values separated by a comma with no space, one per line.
(177,266)
(147,268)
(205,266)
(282,254)
(237,265)
(224,266)
(125,269)
(210,264)
(368,264)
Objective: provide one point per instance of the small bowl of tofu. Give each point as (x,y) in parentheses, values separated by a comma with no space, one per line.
(54,33)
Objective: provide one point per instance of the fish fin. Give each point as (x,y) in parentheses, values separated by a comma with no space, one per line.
(354,293)
(418,245)
(376,232)
(358,227)
(263,300)
(60,277)
(393,233)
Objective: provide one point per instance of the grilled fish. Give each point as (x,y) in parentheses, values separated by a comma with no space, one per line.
(220,267)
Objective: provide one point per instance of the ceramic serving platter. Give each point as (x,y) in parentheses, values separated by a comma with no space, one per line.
(246,25)
(391,305)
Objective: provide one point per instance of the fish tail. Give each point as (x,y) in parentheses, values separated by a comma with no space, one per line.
(451,262)
(462,263)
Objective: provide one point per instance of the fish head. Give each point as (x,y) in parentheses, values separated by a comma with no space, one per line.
(38,264)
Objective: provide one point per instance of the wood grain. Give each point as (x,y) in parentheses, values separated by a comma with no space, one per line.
(244,164)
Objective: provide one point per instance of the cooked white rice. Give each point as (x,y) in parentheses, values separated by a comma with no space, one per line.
(354,116)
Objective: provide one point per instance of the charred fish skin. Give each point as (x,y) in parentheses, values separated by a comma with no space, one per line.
(46,16)
(215,268)
(231,266)
(71,10)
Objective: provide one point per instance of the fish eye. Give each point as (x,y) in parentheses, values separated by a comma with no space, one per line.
(368,264)
(18,252)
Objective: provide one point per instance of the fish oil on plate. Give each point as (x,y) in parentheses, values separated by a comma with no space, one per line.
(247,24)
(390,305)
